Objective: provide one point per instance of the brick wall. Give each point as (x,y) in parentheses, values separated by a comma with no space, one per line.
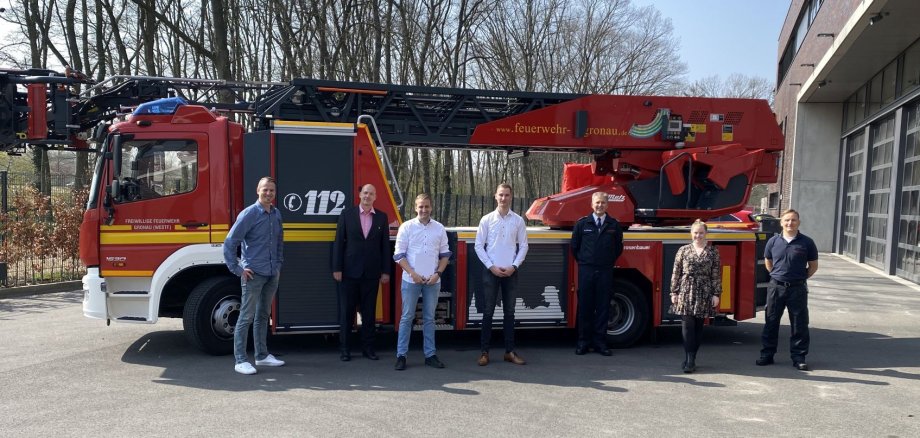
(830,19)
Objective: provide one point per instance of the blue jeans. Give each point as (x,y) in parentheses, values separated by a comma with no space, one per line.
(410,294)
(258,294)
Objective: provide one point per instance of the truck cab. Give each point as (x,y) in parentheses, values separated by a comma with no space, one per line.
(169,187)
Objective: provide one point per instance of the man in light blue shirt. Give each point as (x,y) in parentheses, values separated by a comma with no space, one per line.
(259,230)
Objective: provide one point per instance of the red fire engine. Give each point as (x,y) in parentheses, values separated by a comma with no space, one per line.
(173,174)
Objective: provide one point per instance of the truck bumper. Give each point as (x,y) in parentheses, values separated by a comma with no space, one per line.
(94,291)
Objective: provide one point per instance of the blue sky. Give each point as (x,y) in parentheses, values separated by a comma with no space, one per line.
(727,36)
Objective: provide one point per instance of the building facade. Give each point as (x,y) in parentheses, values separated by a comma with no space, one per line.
(848,101)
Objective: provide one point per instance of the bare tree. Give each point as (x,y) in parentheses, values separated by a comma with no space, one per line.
(574,46)
(736,85)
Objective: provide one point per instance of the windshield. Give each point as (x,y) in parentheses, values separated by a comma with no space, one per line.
(157,168)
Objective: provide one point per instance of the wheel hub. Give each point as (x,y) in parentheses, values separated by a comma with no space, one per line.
(622,314)
(224,317)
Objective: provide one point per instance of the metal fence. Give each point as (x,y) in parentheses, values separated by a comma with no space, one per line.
(38,234)
(464,210)
(15,184)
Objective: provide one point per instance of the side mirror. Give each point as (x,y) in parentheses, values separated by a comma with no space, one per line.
(116,157)
(115,189)
(115,186)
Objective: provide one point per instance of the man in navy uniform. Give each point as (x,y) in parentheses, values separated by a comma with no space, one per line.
(791,258)
(597,242)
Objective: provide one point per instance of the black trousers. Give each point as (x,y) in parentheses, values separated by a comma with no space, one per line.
(361,293)
(691,328)
(779,298)
(594,287)
(491,286)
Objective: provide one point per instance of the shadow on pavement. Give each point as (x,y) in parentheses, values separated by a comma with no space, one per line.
(312,362)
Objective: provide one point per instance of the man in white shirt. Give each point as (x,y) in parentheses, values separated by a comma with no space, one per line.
(422,253)
(501,244)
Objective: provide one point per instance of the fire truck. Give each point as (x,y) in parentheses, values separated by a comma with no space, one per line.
(178,159)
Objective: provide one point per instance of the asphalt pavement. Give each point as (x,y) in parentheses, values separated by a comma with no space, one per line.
(64,375)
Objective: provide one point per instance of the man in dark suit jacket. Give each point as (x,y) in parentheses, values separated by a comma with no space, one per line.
(360,262)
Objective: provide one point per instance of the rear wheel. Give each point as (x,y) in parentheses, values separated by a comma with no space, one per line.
(629,314)
(211,313)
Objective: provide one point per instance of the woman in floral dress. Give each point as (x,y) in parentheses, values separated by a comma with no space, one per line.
(696,285)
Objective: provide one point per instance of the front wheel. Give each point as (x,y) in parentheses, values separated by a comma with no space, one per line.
(211,313)
(629,314)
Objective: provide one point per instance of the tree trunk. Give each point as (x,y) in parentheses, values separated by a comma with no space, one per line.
(221,47)
(470,173)
(447,182)
(426,170)
(148,35)
(101,50)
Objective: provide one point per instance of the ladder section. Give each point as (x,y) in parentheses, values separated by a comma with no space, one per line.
(405,115)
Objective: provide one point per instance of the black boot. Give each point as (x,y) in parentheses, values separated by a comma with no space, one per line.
(690,363)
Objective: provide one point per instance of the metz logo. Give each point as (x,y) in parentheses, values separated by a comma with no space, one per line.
(616,198)
(316,203)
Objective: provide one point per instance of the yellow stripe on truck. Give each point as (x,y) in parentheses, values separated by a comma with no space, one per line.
(725,300)
(114,273)
(155,237)
(309,236)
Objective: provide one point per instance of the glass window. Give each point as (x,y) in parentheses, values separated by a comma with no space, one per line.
(911,77)
(909,215)
(853,209)
(806,16)
(879,190)
(155,168)
(800,32)
(813,7)
(860,104)
(785,62)
(889,82)
(875,94)
(849,108)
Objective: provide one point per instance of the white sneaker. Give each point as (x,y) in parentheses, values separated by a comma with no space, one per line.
(269,361)
(244,368)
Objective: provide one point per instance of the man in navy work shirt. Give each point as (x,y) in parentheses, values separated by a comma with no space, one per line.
(258,230)
(597,242)
(791,258)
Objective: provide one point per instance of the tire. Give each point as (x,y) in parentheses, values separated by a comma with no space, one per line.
(211,313)
(629,314)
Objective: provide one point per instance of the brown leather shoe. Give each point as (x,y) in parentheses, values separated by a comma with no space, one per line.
(514,358)
(483,359)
